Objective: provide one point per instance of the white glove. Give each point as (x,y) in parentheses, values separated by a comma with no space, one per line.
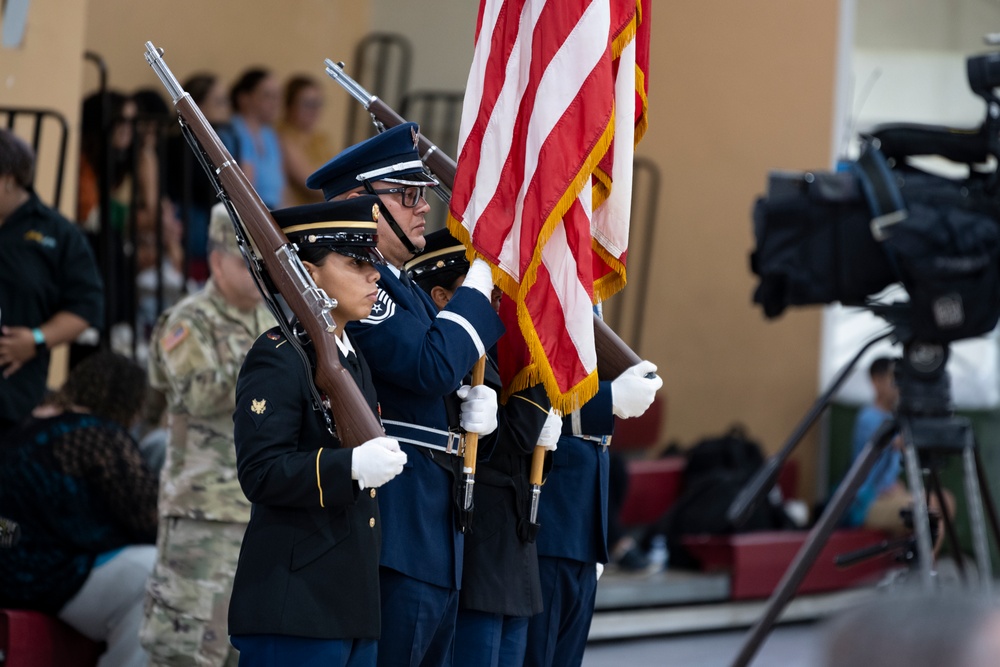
(375,462)
(480,278)
(600,570)
(551,430)
(631,393)
(479,409)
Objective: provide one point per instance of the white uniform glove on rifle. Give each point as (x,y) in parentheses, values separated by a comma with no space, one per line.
(479,409)
(632,393)
(376,461)
(551,430)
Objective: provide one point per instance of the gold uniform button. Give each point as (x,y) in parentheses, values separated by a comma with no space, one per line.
(373,493)
(371,522)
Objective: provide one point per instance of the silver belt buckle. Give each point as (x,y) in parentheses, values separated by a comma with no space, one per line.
(451,447)
(605,441)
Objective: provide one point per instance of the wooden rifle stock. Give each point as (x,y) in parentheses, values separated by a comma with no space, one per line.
(614,357)
(353,417)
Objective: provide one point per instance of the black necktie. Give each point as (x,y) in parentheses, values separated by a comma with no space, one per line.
(416,293)
(352,359)
(404,278)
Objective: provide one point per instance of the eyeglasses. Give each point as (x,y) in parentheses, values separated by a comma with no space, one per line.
(412,194)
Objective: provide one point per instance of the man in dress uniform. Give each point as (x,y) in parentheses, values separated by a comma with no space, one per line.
(419,358)
(197,349)
(573,512)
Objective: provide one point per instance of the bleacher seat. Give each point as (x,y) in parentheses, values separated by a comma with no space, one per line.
(640,433)
(33,639)
(758,560)
(653,486)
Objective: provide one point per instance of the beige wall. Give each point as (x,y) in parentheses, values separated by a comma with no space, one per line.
(736,89)
(45,72)
(225,37)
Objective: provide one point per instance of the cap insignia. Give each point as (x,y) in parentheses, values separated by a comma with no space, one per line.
(416,137)
(375,212)
(258,407)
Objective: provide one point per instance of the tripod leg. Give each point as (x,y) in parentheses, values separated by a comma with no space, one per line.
(921,522)
(976,521)
(984,490)
(934,485)
(816,540)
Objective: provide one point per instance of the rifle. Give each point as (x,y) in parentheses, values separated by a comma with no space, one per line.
(613,356)
(276,268)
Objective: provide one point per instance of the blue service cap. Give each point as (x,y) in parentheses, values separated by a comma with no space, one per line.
(389,156)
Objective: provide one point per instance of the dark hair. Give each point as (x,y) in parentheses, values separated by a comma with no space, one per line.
(16,159)
(110,385)
(881,366)
(446,278)
(296,85)
(247,82)
(315,254)
(92,133)
(199,85)
(149,102)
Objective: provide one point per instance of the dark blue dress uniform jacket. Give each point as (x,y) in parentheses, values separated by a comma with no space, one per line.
(418,357)
(573,508)
(305,570)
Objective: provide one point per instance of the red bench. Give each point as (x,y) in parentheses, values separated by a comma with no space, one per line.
(654,485)
(33,639)
(756,561)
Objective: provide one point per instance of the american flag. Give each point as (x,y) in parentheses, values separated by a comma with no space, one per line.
(555,103)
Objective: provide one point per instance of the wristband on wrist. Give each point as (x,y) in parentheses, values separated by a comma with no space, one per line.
(38,336)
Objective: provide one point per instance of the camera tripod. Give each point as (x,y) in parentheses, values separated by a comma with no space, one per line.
(931,433)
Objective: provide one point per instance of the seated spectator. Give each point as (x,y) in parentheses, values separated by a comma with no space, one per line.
(909,630)
(73,479)
(256,103)
(882,498)
(50,289)
(304,147)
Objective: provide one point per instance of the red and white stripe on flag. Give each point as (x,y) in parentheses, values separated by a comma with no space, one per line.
(551,85)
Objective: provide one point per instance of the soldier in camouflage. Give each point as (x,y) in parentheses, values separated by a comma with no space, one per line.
(196,351)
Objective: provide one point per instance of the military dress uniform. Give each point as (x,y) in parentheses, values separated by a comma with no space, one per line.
(306,589)
(309,562)
(501,586)
(500,581)
(199,346)
(418,359)
(573,513)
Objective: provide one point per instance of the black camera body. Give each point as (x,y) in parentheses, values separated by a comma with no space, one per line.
(843,236)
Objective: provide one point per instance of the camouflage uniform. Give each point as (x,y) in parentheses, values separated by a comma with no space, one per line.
(198,349)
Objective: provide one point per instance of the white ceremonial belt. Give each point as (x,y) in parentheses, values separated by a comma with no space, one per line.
(425,436)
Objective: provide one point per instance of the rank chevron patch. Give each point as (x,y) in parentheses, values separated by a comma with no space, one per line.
(383,308)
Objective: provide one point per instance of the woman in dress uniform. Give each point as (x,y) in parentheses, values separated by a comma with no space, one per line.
(306,590)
